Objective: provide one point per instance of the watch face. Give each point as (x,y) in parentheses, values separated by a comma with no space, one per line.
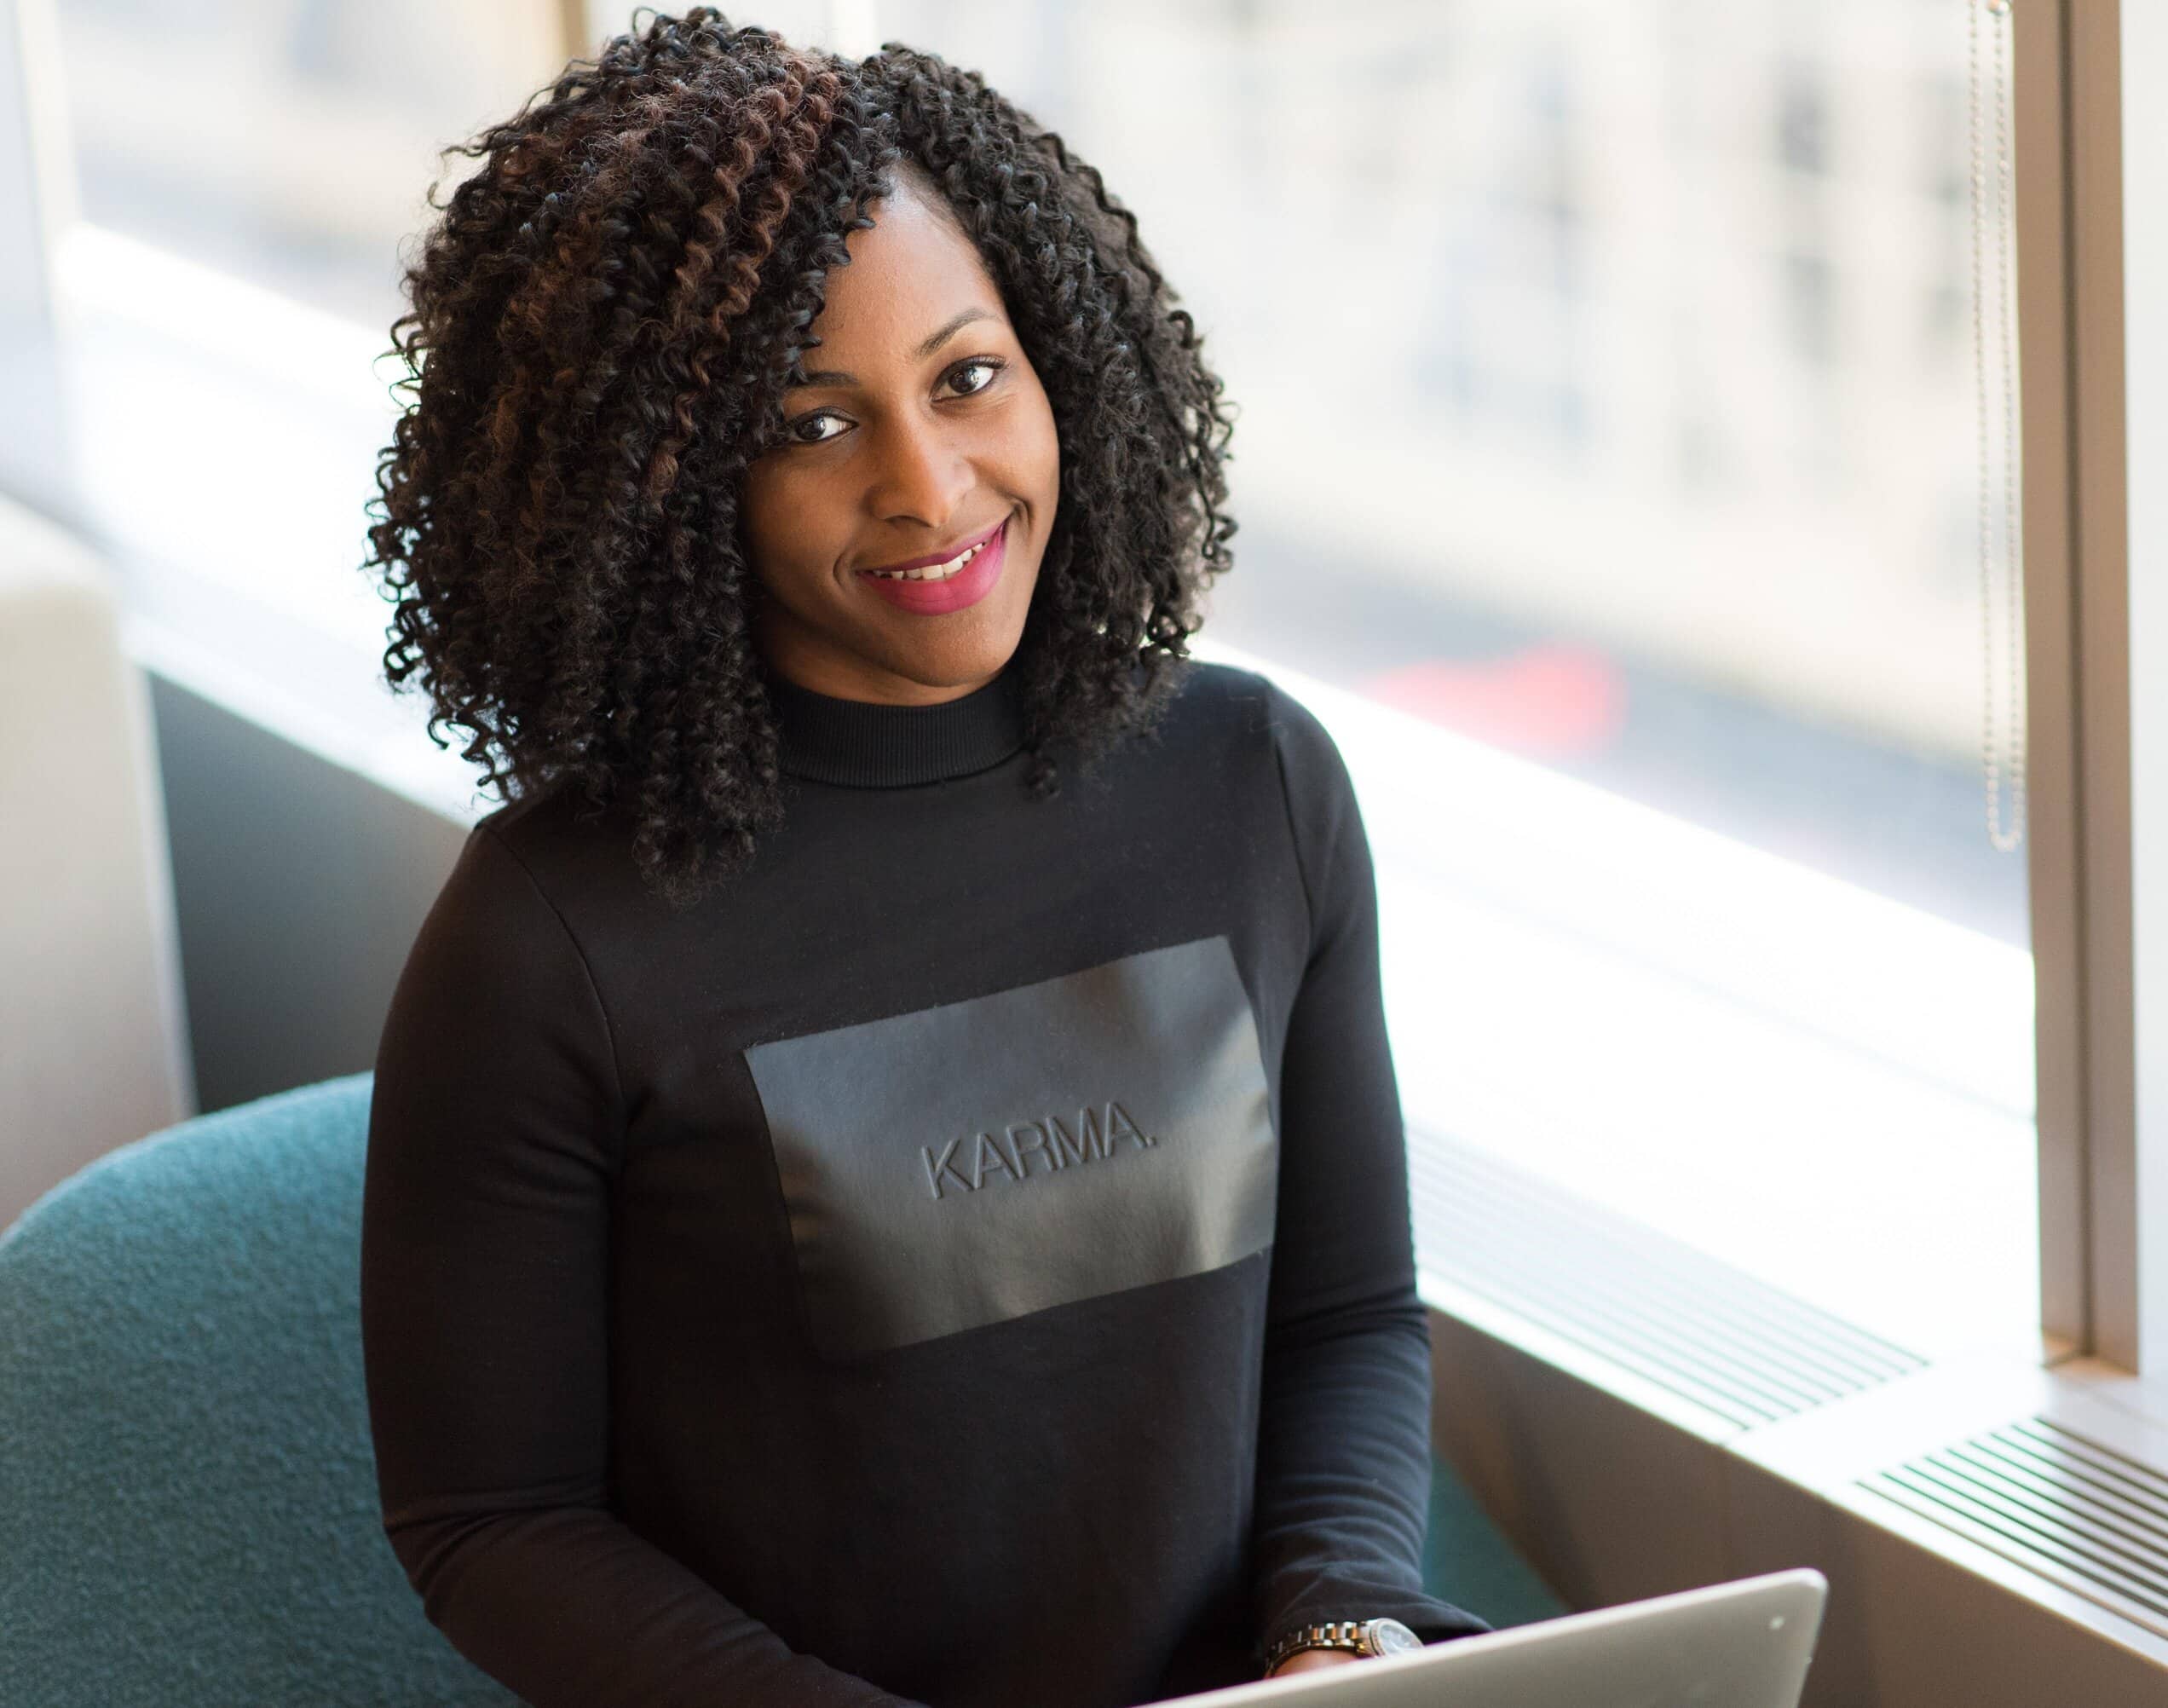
(1390,1636)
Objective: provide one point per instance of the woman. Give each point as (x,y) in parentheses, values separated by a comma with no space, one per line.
(886,1180)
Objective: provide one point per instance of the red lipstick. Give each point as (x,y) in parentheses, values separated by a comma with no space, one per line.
(967,585)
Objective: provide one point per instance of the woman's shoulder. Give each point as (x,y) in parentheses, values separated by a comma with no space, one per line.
(1241,705)
(549,846)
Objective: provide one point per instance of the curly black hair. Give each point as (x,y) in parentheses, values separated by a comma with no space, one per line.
(603,324)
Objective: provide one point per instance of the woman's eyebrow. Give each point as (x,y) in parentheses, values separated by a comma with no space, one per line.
(926,348)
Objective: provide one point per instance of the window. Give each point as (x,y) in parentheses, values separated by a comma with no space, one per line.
(246,176)
(1606,471)
(289,142)
(1605,478)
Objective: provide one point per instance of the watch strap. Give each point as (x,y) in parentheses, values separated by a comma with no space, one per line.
(1352,1635)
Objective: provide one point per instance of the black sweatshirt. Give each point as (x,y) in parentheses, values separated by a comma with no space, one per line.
(965,1259)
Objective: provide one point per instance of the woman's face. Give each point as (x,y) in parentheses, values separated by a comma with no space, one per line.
(924,433)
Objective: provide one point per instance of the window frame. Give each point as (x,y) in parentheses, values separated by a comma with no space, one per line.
(36,198)
(2093,947)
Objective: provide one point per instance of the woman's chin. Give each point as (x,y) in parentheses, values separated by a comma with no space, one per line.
(949,655)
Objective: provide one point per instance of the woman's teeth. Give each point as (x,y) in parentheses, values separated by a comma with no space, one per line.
(938,572)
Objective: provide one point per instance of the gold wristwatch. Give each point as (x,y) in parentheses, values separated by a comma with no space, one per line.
(1365,1637)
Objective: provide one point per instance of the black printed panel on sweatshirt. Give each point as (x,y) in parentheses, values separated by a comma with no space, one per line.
(974,1162)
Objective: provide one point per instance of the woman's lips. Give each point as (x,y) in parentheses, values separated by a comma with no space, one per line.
(968,586)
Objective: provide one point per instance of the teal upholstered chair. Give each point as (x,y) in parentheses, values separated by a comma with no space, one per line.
(187,1501)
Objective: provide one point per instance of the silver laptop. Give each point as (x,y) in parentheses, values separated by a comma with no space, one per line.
(1743,1644)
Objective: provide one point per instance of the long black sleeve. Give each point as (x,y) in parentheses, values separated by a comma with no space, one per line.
(493,1142)
(1343,1473)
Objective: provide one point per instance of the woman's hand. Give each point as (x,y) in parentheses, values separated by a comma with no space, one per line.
(1311,1659)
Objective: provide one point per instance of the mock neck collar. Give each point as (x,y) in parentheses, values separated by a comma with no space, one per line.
(868,744)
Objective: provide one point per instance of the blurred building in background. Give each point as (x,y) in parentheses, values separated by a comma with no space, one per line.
(1606,466)
(1604,370)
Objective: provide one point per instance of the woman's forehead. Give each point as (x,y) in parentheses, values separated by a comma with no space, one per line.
(910,273)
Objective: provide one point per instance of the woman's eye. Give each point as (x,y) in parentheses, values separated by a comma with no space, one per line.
(962,378)
(965,379)
(807,430)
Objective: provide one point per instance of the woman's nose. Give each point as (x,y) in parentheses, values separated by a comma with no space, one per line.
(922,477)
